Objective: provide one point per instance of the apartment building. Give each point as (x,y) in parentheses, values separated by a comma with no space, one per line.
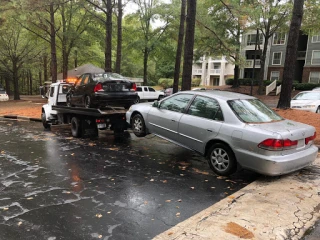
(307,63)
(213,71)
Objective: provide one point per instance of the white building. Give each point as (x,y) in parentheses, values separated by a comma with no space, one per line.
(213,71)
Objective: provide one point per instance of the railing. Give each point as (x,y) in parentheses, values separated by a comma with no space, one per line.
(215,71)
(249,63)
(271,87)
(197,71)
(278,90)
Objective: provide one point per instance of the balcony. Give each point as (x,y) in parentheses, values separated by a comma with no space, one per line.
(215,71)
(249,63)
(197,72)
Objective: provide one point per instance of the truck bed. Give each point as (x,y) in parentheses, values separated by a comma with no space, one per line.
(95,112)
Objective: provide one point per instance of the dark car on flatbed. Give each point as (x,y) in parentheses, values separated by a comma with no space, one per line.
(95,90)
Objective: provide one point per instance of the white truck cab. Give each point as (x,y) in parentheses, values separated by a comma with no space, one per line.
(56,97)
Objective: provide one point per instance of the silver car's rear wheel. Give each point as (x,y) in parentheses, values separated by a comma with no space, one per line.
(221,159)
(138,126)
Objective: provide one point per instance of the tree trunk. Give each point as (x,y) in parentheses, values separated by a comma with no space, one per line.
(30,81)
(189,43)
(179,47)
(16,94)
(145,66)
(64,45)
(291,55)
(263,58)
(119,38)
(53,45)
(108,67)
(236,83)
(45,68)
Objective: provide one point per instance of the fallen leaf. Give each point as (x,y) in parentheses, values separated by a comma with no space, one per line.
(179,200)
(5,209)
(192,188)
(30,198)
(152,180)
(170,233)
(98,215)
(19,223)
(108,212)
(145,202)
(164,181)
(168,200)
(100,236)
(178,214)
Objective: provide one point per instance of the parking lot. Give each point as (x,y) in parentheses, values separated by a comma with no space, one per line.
(54,186)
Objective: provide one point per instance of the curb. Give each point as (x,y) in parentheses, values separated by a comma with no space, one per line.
(21,118)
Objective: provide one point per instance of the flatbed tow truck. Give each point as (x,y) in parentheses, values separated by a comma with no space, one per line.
(84,122)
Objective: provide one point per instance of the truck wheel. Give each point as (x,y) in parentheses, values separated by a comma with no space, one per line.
(138,126)
(160,97)
(137,100)
(221,159)
(45,124)
(75,127)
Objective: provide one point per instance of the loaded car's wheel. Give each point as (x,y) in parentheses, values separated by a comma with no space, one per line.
(87,102)
(221,159)
(137,100)
(45,124)
(69,101)
(138,126)
(75,127)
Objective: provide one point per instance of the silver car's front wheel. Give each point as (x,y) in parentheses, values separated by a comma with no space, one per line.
(138,126)
(221,159)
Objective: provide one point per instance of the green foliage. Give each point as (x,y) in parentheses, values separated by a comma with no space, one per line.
(165,82)
(196,82)
(305,86)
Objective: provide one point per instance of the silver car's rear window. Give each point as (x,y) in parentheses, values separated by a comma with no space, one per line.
(101,77)
(253,111)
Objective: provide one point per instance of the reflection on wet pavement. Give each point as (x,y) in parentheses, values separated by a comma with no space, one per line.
(54,186)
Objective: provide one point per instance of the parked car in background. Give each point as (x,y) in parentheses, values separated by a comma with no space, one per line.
(3,95)
(229,129)
(148,93)
(306,100)
(198,88)
(93,90)
(316,89)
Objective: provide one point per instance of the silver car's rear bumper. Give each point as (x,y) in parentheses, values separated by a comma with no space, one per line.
(277,165)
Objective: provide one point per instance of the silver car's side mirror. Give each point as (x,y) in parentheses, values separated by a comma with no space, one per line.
(155,104)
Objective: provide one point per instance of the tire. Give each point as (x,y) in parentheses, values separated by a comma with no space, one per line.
(137,100)
(87,102)
(138,126)
(45,124)
(76,127)
(69,101)
(221,159)
(318,109)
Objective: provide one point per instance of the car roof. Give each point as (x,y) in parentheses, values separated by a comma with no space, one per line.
(223,95)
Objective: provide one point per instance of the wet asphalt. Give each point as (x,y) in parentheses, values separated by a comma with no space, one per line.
(54,186)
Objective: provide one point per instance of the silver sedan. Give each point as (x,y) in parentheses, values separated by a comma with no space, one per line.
(229,129)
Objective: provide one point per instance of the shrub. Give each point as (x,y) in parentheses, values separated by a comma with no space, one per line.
(165,82)
(305,86)
(196,82)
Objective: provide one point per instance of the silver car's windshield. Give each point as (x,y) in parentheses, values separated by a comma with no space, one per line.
(253,111)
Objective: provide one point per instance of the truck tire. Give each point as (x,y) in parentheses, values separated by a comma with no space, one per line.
(160,97)
(45,124)
(76,127)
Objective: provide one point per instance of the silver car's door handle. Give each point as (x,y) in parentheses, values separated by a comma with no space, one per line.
(173,120)
(209,130)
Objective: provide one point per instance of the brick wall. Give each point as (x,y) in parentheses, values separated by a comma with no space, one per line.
(306,73)
(275,69)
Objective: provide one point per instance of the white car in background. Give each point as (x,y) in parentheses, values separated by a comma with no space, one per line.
(306,100)
(3,95)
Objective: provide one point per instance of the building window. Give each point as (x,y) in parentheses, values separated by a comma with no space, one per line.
(251,39)
(315,39)
(314,77)
(279,38)
(274,76)
(276,60)
(315,60)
